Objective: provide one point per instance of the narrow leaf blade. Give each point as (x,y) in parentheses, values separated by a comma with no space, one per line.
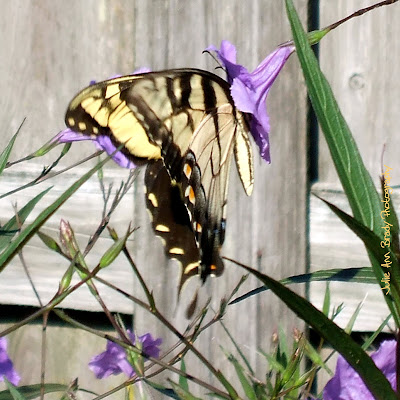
(11,227)
(31,229)
(340,341)
(5,154)
(357,183)
(359,275)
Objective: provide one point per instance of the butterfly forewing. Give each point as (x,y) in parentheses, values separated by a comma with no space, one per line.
(185,125)
(244,156)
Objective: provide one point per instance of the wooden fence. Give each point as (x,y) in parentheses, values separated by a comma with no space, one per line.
(51,49)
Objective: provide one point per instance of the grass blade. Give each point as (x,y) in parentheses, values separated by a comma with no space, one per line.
(5,155)
(31,229)
(350,350)
(10,228)
(359,275)
(357,183)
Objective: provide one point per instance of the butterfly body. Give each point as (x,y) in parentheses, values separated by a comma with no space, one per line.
(184,125)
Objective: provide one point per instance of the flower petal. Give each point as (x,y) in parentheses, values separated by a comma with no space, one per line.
(69,136)
(102,142)
(108,362)
(150,345)
(6,366)
(249,90)
(348,385)
(385,360)
(114,361)
(227,56)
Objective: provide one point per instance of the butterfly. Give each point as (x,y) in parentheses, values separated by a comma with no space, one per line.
(184,126)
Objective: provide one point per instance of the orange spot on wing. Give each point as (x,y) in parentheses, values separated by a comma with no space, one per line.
(187,170)
(191,195)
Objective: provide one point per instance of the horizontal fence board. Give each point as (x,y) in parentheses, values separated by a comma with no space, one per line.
(360,60)
(334,245)
(48,267)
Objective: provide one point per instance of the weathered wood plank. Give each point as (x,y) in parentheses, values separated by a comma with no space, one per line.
(358,59)
(49,51)
(69,352)
(333,245)
(278,237)
(48,267)
(67,45)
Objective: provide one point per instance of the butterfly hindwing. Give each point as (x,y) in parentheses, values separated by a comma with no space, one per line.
(209,161)
(170,219)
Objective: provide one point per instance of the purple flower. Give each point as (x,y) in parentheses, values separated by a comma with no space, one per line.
(6,366)
(347,384)
(113,361)
(102,142)
(249,90)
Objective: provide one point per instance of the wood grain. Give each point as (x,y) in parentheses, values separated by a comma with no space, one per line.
(334,245)
(64,46)
(360,60)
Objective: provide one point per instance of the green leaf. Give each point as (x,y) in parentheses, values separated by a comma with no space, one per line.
(50,242)
(327,301)
(50,145)
(294,361)
(237,347)
(182,393)
(183,382)
(231,390)
(292,372)
(336,311)
(359,275)
(12,225)
(283,349)
(315,357)
(349,327)
(14,393)
(376,252)
(372,338)
(357,183)
(5,155)
(162,389)
(31,229)
(273,363)
(33,391)
(112,253)
(246,385)
(340,341)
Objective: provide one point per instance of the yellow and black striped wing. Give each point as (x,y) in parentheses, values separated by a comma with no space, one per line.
(208,160)
(146,112)
(187,119)
(170,219)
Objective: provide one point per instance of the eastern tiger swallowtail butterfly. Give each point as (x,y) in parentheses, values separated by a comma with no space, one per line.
(184,126)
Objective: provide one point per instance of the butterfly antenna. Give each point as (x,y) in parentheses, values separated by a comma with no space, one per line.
(220,66)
